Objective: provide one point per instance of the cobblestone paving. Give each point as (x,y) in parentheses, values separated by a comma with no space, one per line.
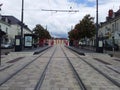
(92,79)
(106,58)
(103,68)
(15,66)
(59,75)
(28,77)
(114,62)
(7,58)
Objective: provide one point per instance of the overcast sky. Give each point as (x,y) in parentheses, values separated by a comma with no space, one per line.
(58,23)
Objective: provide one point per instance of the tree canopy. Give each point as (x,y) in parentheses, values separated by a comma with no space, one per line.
(85,28)
(74,34)
(41,32)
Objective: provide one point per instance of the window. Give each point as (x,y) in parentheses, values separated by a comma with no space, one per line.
(7,30)
(113,28)
(116,26)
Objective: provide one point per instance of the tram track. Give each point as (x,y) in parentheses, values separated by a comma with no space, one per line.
(20,80)
(60,74)
(57,69)
(102,73)
(40,81)
(80,82)
(114,82)
(18,70)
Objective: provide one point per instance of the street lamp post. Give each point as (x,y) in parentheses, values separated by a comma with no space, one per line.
(0,45)
(97,26)
(22,12)
(0,35)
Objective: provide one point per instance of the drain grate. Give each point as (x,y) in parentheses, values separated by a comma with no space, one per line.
(15,60)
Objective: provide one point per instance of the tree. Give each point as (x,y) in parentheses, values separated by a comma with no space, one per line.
(41,33)
(47,34)
(73,34)
(86,27)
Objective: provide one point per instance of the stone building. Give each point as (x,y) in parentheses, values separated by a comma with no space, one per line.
(11,26)
(110,29)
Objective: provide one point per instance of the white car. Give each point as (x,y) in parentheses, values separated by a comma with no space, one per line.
(6,45)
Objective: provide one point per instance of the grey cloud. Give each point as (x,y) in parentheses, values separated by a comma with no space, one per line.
(58,23)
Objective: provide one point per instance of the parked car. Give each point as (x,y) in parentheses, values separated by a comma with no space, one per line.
(82,44)
(7,45)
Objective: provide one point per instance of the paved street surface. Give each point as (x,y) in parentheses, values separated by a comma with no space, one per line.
(92,78)
(59,75)
(6,51)
(23,70)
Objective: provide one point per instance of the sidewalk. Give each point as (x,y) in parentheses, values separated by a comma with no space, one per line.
(115,53)
(7,51)
(13,56)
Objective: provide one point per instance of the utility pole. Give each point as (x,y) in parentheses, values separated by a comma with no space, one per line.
(0,34)
(22,12)
(96,25)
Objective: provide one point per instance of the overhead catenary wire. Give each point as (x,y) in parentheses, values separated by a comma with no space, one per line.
(55,10)
(59,10)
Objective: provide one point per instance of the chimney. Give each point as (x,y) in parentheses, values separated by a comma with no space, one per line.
(110,13)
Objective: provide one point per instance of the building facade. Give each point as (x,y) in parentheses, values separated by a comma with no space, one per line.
(12,27)
(5,30)
(110,29)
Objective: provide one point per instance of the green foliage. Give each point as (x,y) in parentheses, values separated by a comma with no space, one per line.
(86,28)
(41,32)
(74,34)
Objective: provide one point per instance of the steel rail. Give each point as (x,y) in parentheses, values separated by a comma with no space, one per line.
(39,83)
(13,74)
(113,69)
(102,73)
(81,84)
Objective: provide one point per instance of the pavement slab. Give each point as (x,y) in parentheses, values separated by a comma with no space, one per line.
(28,77)
(92,79)
(59,75)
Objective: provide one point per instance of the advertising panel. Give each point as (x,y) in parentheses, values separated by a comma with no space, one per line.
(28,41)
